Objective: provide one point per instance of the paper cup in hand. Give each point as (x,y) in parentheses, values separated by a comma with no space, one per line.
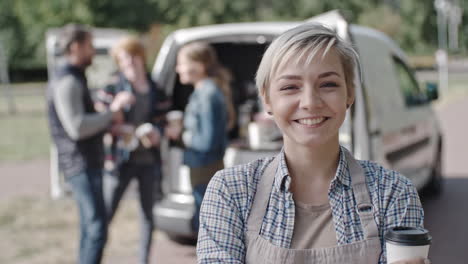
(404,243)
(142,131)
(175,118)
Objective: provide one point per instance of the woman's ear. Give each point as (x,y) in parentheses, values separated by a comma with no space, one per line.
(266,105)
(349,104)
(350,99)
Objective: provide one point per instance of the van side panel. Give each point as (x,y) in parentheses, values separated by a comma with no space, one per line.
(402,136)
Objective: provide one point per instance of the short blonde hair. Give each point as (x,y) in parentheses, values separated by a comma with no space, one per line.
(304,42)
(130,44)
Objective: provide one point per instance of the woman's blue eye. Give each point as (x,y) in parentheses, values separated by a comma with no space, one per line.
(290,87)
(329,84)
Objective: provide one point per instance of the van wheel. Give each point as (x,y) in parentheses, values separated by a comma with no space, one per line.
(435,185)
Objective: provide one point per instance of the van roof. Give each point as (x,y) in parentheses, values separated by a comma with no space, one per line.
(231,31)
(366,31)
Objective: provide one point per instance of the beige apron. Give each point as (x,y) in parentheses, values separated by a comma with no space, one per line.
(260,250)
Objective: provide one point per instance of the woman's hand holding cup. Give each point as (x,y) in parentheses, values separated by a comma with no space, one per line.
(174,126)
(148,135)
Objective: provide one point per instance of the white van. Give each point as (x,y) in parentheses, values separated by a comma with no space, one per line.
(391,121)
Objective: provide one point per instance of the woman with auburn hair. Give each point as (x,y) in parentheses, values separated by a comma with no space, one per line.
(313,202)
(133,148)
(208,116)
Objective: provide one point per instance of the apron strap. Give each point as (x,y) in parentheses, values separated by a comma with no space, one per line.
(262,197)
(364,208)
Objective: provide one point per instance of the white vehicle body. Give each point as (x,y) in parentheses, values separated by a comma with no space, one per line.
(385,124)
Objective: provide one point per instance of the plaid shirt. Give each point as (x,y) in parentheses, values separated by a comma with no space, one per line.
(228,200)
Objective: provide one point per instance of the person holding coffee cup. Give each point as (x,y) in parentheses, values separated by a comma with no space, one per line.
(313,202)
(133,149)
(209,115)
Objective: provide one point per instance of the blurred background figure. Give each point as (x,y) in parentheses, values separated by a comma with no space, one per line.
(132,148)
(208,116)
(77,131)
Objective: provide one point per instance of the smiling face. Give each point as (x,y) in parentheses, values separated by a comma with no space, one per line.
(130,65)
(190,71)
(309,102)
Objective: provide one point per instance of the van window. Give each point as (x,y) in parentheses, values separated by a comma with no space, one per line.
(409,87)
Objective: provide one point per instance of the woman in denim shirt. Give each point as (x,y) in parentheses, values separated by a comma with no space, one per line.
(208,116)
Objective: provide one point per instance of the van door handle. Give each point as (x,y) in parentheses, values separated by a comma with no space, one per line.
(375,133)
(408,130)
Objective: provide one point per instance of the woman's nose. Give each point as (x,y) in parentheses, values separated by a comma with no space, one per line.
(311,98)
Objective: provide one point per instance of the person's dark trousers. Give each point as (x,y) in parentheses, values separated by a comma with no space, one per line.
(87,190)
(147,176)
(198,194)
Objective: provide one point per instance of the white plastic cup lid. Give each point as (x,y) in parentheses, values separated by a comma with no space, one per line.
(174,115)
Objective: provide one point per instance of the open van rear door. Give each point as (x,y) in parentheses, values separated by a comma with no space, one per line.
(335,20)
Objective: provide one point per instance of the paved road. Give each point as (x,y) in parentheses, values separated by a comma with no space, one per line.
(447,215)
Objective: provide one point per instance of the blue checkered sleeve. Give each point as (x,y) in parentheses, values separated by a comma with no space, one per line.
(399,204)
(221,233)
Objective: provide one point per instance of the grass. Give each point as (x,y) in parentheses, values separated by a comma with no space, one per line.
(24,135)
(36,231)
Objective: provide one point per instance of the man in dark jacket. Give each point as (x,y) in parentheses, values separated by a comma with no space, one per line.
(77,131)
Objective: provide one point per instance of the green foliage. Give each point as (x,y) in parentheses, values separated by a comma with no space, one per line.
(382,18)
(136,15)
(23,22)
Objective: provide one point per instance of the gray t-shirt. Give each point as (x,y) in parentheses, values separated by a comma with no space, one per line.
(137,116)
(313,227)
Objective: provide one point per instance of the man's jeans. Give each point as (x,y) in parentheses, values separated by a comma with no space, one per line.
(87,190)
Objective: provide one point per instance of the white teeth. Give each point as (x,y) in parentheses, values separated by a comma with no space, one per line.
(311,121)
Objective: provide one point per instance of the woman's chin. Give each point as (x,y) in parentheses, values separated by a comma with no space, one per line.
(311,141)
(184,82)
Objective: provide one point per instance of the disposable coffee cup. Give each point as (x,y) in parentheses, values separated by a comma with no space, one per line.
(141,133)
(175,118)
(405,243)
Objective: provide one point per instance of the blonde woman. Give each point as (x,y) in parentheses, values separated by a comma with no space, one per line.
(313,202)
(208,116)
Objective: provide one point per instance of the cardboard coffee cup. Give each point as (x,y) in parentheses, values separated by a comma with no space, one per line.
(404,243)
(175,118)
(142,131)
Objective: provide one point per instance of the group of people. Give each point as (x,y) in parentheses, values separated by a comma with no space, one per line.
(119,132)
(312,203)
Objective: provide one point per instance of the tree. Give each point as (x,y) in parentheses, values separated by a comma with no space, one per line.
(23,23)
